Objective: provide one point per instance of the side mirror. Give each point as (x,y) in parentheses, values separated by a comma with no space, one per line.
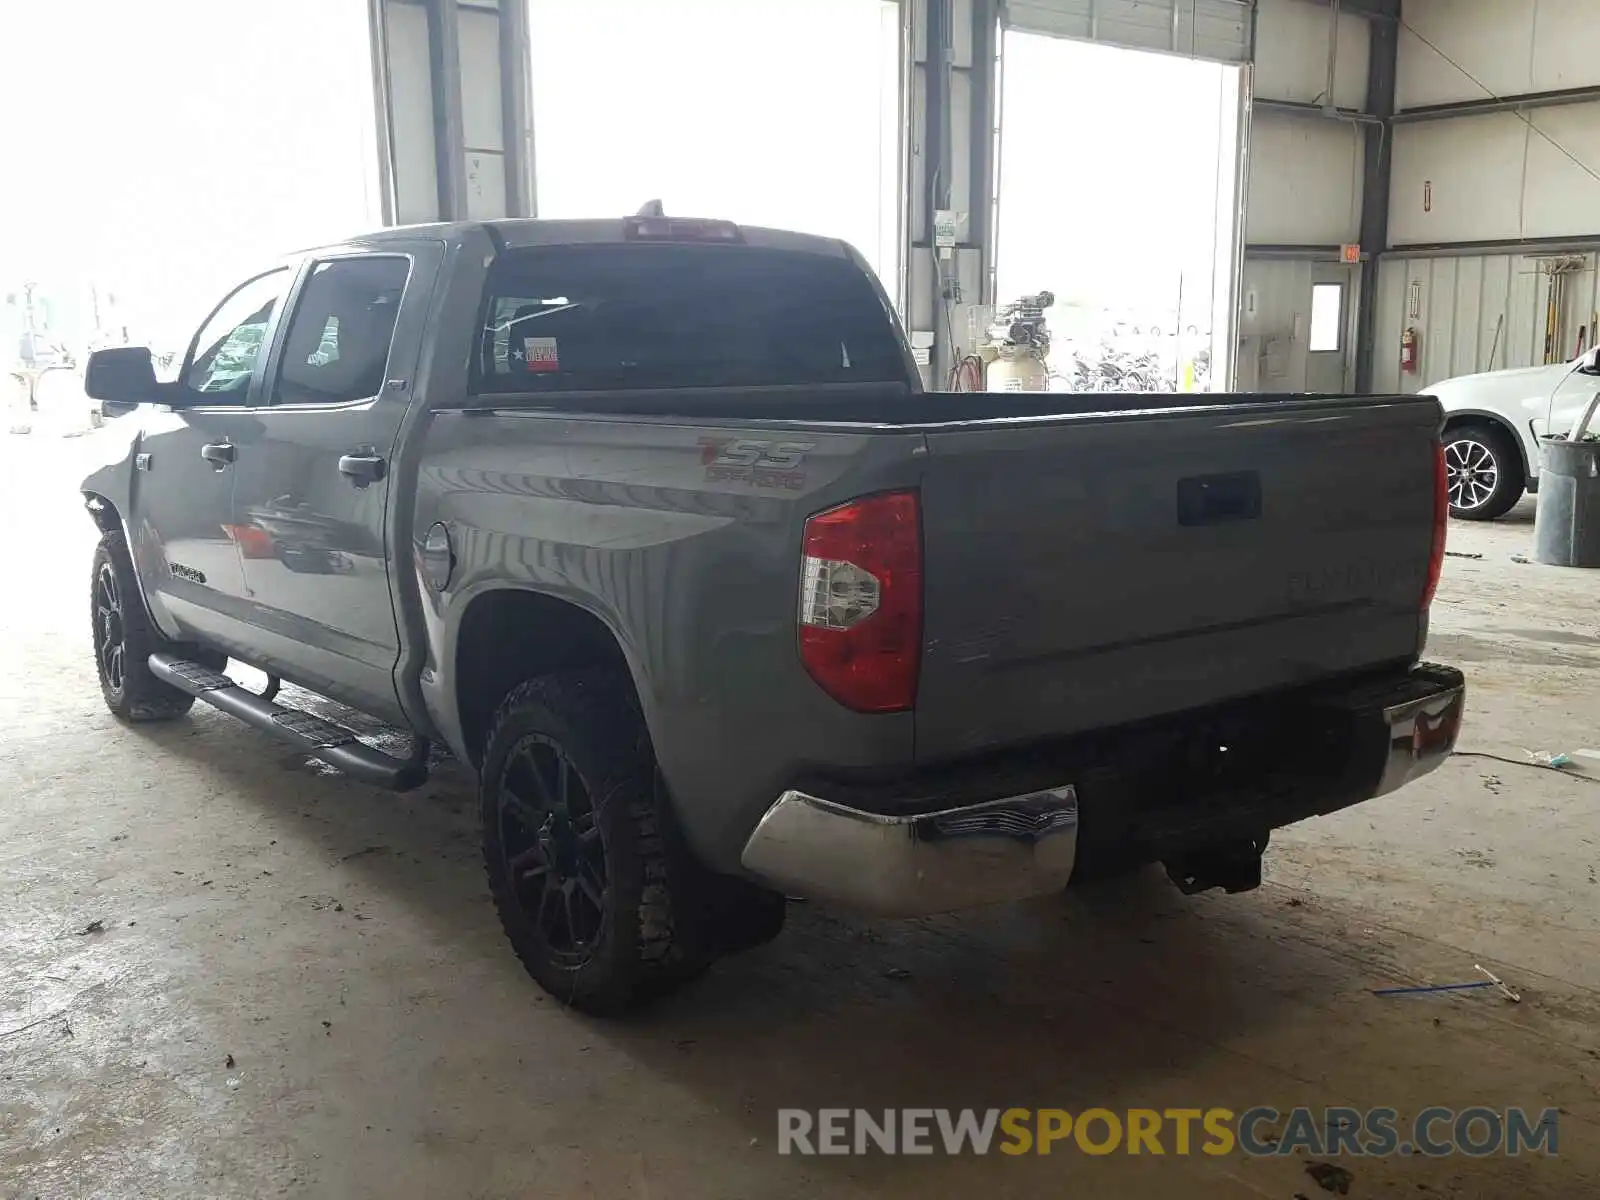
(121,378)
(1591,360)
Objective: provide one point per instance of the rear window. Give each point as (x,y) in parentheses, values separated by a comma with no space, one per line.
(563,318)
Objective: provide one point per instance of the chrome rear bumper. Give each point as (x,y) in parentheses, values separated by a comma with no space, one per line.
(907,866)
(1422,734)
(1027,844)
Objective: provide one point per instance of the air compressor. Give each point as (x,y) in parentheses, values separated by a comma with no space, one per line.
(1012,354)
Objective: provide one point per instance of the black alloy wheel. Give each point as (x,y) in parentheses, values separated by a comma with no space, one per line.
(110,629)
(554,856)
(123,637)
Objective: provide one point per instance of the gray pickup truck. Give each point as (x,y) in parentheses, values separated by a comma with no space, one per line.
(649,521)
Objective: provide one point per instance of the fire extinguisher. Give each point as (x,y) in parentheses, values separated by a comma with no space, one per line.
(1408,350)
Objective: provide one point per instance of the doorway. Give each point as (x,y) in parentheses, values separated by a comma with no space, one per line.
(1118,192)
(1297,326)
(1328,329)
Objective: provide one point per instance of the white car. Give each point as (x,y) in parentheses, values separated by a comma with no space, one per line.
(1493,422)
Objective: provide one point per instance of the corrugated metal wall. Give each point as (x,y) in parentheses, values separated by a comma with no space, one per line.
(1474,314)
(1496,177)
(1305,169)
(1292,53)
(1215,29)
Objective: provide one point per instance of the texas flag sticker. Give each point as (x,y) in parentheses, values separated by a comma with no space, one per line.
(541,354)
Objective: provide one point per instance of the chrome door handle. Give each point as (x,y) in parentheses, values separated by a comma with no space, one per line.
(219,454)
(362,468)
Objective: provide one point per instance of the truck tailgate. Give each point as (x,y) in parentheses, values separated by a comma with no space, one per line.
(1082,572)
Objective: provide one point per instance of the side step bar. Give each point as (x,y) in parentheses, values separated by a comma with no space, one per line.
(320,739)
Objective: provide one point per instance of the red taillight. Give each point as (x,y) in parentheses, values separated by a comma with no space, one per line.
(680,229)
(1441,522)
(861,602)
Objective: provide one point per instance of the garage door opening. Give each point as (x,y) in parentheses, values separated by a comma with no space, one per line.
(782,113)
(1118,193)
(203,155)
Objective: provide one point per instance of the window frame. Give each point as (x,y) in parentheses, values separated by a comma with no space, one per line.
(189,398)
(308,269)
(1338,323)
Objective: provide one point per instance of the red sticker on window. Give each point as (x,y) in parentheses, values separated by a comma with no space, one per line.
(541,354)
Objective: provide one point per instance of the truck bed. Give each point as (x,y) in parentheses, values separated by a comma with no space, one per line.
(1094,559)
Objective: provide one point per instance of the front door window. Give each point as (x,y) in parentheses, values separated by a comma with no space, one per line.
(229,343)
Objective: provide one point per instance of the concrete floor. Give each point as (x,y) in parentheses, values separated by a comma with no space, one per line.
(301,990)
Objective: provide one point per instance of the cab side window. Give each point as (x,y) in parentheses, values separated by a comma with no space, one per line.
(229,343)
(336,349)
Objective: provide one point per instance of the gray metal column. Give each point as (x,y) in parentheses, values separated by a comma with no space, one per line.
(943,282)
(951,117)
(516,109)
(444,89)
(1378,149)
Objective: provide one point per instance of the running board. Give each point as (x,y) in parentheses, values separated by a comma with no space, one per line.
(320,739)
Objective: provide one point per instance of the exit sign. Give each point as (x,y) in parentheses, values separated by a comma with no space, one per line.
(1349,253)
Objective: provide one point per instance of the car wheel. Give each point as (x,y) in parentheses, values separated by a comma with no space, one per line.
(1483,472)
(124,639)
(584,863)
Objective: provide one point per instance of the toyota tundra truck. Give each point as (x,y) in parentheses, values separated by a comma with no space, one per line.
(651,523)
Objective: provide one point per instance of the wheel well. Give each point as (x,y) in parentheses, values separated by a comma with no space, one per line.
(1460,420)
(102,512)
(510,636)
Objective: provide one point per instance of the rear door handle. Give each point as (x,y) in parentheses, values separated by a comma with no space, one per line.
(219,454)
(362,467)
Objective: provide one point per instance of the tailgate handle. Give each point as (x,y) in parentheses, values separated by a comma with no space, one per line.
(1213,499)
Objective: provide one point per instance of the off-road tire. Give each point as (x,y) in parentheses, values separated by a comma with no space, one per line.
(131,692)
(1472,441)
(651,934)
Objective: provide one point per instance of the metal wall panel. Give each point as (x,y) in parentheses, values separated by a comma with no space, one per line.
(1457,180)
(480,80)
(1292,53)
(1460,357)
(1214,29)
(1560,196)
(1391,320)
(1476,313)
(1305,181)
(1493,178)
(1508,46)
